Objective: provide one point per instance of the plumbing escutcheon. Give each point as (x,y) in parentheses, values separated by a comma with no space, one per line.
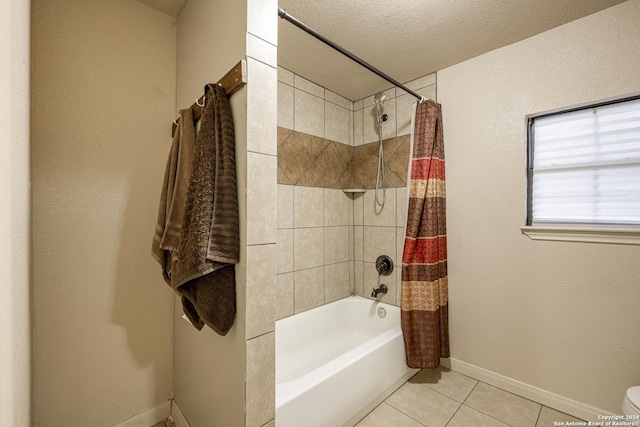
(384,265)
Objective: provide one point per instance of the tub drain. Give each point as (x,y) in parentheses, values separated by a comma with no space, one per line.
(382,312)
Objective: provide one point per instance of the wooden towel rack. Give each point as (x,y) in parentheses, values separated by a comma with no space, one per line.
(235,78)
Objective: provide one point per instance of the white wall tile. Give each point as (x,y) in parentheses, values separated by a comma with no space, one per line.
(374,215)
(358,243)
(337,99)
(260,388)
(336,281)
(262,20)
(336,123)
(358,269)
(285,76)
(358,209)
(285,106)
(262,51)
(284,295)
(370,125)
(262,108)
(262,207)
(285,250)
(338,208)
(260,300)
(308,248)
(285,206)
(401,206)
(308,289)
(308,113)
(358,127)
(307,207)
(308,86)
(379,241)
(336,244)
(350,127)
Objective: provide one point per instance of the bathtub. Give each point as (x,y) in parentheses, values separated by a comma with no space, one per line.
(335,363)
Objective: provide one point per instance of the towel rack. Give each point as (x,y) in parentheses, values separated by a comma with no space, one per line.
(235,78)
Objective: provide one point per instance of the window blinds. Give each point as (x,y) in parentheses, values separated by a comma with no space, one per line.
(586,166)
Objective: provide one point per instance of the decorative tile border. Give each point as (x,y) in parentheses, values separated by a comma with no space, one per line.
(311,161)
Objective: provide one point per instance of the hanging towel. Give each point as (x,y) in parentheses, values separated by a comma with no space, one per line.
(202,269)
(174,194)
(424,287)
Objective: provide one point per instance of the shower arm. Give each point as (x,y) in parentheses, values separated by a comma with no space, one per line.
(286,16)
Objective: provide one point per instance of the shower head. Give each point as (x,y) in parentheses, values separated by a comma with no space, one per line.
(379,98)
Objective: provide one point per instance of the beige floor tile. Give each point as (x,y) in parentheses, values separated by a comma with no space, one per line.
(447,382)
(423,404)
(504,406)
(548,416)
(467,416)
(385,416)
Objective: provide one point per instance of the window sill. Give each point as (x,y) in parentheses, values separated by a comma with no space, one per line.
(620,236)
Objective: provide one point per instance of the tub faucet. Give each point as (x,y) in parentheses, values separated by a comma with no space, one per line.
(382,289)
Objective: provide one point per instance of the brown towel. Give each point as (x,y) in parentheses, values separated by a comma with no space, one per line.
(174,194)
(209,244)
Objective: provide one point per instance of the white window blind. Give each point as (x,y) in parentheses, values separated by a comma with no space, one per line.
(584,166)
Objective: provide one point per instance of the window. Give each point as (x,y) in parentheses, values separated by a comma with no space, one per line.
(584,167)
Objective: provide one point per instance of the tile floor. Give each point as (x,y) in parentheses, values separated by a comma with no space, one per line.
(440,397)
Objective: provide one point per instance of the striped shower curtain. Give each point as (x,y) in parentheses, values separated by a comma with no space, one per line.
(424,305)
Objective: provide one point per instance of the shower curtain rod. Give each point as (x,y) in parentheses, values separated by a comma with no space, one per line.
(284,15)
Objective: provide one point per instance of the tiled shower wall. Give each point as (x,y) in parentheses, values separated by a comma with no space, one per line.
(328,241)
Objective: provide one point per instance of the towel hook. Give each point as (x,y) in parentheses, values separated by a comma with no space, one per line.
(198,104)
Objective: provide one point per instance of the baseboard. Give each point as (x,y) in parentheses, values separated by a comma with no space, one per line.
(149,417)
(552,400)
(177,416)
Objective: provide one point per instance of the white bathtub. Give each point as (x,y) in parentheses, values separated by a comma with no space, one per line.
(335,363)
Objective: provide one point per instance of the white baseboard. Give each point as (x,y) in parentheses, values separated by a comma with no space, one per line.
(177,416)
(149,417)
(552,400)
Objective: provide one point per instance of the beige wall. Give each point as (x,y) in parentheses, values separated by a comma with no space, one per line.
(559,316)
(103,98)
(14,214)
(229,381)
(209,369)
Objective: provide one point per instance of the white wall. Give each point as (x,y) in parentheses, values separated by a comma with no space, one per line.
(230,380)
(209,369)
(103,99)
(559,316)
(15,288)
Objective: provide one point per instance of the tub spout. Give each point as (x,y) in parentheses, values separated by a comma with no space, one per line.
(382,289)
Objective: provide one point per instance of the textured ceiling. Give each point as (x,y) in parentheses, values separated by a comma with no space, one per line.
(405,39)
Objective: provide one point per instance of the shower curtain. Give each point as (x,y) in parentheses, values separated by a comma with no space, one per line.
(424,302)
